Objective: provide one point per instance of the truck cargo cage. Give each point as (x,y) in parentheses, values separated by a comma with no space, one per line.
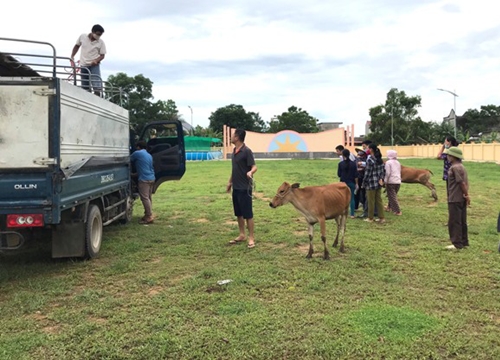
(46,63)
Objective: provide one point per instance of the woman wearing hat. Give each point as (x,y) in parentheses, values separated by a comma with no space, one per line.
(449,141)
(458,199)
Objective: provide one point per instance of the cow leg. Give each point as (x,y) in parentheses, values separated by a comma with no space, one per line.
(311,233)
(343,221)
(336,242)
(322,224)
(433,190)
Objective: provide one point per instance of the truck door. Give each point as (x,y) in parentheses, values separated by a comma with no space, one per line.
(165,142)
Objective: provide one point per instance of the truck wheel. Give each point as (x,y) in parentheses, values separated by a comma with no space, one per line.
(129,211)
(93,232)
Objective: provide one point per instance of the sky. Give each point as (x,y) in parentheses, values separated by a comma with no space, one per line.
(334,59)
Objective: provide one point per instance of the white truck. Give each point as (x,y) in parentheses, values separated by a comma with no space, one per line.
(64,156)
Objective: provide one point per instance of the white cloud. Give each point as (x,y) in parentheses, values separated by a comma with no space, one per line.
(334,59)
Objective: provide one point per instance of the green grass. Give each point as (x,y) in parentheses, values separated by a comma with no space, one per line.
(394,294)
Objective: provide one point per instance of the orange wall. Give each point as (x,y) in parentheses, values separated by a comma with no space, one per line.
(291,141)
(474,152)
(326,141)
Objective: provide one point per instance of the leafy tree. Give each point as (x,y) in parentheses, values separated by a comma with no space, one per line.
(439,132)
(234,116)
(259,124)
(206,132)
(398,118)
(294,119)
(475,121)
(136,95)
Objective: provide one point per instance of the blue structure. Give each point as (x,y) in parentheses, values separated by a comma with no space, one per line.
(203,155)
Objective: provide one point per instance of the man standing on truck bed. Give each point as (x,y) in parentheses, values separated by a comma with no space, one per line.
(92,53)
(143,162)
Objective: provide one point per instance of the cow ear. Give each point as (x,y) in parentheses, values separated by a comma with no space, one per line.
(295,186)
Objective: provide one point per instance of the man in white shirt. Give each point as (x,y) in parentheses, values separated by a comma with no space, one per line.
(339,150)
(92,53)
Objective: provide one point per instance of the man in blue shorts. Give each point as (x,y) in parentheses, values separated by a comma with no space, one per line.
(241,180)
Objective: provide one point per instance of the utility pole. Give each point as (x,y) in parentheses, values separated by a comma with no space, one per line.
(192,128)
(392,126)
(454,107)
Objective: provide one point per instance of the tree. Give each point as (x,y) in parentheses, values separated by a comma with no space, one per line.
(485,120)
(398,118)
(234,116)
(259,124)
(206,132)
(294,119)
(136,95)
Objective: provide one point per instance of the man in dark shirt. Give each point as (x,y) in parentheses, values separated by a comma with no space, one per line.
(241,180)
(458,199)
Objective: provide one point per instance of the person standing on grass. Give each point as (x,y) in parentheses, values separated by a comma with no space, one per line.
(458,199)
(348,173)
(361,191)
(366,147)
(339,150)
(241,181)
(392,181)
(373,182)
(449,141)
(143,162)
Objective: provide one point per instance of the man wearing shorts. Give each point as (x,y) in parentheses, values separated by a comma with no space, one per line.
(241,180)
(92,53)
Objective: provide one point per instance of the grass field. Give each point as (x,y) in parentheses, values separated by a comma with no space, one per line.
(153,294)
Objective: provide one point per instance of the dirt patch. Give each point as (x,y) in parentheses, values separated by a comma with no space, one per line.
(48,326)
(276,246)
(154,291)
(216,289)
(202,220)
(303,248)
(38,316)
(404,255)
(99,321)
(177,279)
(56,329)
(260,196)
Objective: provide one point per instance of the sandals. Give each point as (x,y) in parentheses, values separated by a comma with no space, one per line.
(145,221)
(251,246)
(236,241)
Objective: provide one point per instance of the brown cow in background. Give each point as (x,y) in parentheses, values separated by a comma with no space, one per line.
(418,176)
(318,204)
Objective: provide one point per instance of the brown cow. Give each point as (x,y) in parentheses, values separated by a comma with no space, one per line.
(418,176)
(317,204)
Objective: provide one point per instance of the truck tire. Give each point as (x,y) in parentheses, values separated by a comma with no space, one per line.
(93,232)
(129,211)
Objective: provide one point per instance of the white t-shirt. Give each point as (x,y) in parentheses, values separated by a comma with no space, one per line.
(90,50)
